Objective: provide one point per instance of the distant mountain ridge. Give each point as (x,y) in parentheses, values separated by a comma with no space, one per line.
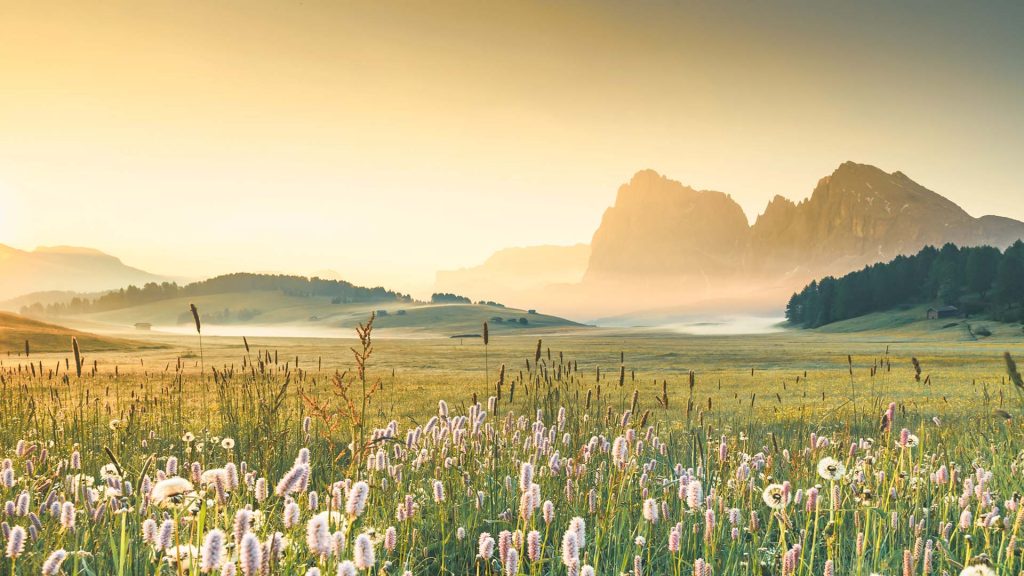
(856,216)
(517,275)
(666,245)
(65,268)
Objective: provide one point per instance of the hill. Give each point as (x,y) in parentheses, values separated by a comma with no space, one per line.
(64,268)
(269,312)
(240,302)
(44,337)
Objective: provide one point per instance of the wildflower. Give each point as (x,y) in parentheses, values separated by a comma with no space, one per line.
(694,494)
(578,525)
(51,567)
(485,546)
(261,489)
(290,514)
(438,488)
(347,568)
(357,496)
(965,519)
(293,480)
(525,476)
(620,452)
(231,475)
(674,540)
(243,521)
(212,552)
(149,531)
(166,534)
(831,469)
(570,548)
(227,443)
(587,570)
(774,496)
(533,545)
(391,538)
(16,542)
(188,437)
(318,538)
(181,555)
(250,555)
(651,510)
(67,516)
(173,490)
(363,553)
(511,562)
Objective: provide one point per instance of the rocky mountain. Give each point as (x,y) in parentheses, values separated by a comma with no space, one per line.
(659,228)
(677,244)
(667,246)
(65,268)
(860,215)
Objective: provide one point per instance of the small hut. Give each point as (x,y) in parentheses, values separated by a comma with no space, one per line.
(943,312)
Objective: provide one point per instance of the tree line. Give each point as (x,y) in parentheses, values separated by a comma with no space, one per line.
(976,280)
(299,286)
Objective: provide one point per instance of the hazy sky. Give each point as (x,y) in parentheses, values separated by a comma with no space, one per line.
(387,140)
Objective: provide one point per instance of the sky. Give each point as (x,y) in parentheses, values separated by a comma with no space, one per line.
(387,140)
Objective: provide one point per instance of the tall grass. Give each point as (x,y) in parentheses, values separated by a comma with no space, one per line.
(555,475)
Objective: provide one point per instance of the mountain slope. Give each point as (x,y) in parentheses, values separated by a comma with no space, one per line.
(860,215)
(658,227)
(672,244)
(43,337)
(64,268)
(667,246)
(517,276)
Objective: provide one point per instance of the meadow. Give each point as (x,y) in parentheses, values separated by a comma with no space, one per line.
(577,453)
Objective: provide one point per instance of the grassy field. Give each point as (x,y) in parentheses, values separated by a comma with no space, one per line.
(663,463)
(238,312)
(15,330)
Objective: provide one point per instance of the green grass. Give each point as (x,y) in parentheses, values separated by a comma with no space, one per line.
(912,323)
(319,314)
(763,397)
(44,337)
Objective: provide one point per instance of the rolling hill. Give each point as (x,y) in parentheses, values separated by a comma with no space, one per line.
(239,312)
(44,337)
(239,303)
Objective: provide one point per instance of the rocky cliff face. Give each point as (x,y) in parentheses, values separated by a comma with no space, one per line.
(660,228)
(859,215)
(665,245)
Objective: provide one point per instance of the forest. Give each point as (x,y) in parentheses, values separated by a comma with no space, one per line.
(977,280)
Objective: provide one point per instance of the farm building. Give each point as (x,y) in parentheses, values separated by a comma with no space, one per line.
(943,312)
